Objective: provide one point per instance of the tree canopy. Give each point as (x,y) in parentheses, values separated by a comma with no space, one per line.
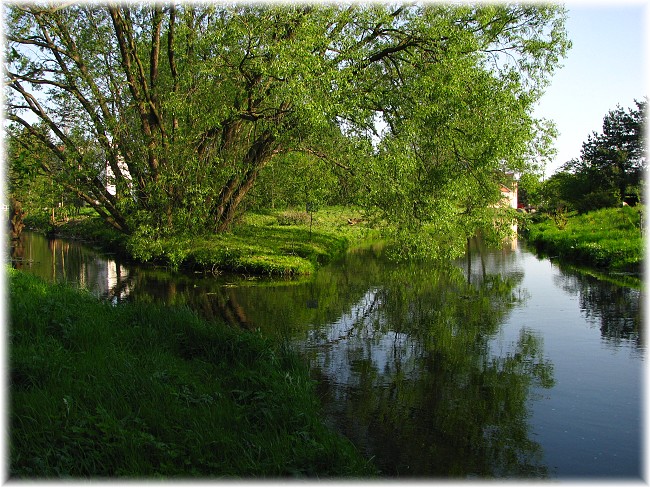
(181,107)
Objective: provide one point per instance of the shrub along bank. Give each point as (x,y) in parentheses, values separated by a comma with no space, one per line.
(145,391)
(608,238)
(269,243)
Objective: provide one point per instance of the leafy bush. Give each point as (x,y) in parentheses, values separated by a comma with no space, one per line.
(604,198)
(144,244)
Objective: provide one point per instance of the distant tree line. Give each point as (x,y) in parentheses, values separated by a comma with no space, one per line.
(608,173)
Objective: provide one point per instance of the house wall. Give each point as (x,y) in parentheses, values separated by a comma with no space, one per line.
(510,194)
(110,177)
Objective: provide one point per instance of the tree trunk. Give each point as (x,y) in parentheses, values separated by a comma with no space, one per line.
(230,208)
(16,214)
(234,192)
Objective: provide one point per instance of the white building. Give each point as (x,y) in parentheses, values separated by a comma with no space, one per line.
(110,176)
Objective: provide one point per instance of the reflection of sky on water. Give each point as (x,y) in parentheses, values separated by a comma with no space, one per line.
(589,423)
(342,346)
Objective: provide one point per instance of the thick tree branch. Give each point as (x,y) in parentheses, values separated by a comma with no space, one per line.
(121,31)
(172,61)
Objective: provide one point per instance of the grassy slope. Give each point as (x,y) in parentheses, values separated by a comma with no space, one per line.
(609,238)
(145,391)
(271,243)
(262,245)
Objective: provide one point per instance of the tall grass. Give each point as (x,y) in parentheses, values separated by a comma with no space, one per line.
(608,238)
(143,391)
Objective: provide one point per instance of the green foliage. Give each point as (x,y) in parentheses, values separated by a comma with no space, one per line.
(560,218)
(296,179)
(604,198)
(618,154)
(416,111)
(530,189)
(145,391)
(554,192)
(610,168)
(28,181)
(607,238)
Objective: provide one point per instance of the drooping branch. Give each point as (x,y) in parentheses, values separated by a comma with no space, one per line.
(324,157)
(37,109)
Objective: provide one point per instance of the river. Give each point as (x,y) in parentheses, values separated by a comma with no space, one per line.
(501,364)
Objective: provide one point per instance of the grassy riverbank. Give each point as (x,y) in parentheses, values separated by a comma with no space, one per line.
(277,243)
(606,239)
(145,391)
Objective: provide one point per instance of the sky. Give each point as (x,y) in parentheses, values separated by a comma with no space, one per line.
(605,67)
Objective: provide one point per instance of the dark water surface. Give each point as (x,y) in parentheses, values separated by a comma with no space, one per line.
(500,365)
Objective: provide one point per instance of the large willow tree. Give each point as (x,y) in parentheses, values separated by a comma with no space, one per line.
(181,107)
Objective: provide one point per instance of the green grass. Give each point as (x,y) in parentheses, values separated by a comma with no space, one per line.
(278,243)
(607,239)
(143,391)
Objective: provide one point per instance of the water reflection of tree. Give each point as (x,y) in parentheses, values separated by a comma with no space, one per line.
(61,260)
(402,353)
(408,374)
(17,252)
(615,309)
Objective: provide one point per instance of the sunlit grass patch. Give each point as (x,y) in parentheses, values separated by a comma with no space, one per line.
(268,244)
(273,242)
(609,238)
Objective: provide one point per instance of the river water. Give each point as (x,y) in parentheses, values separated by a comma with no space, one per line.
(501,364)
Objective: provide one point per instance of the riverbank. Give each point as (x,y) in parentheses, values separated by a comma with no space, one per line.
(610,239)
(140,390)
(278,243)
